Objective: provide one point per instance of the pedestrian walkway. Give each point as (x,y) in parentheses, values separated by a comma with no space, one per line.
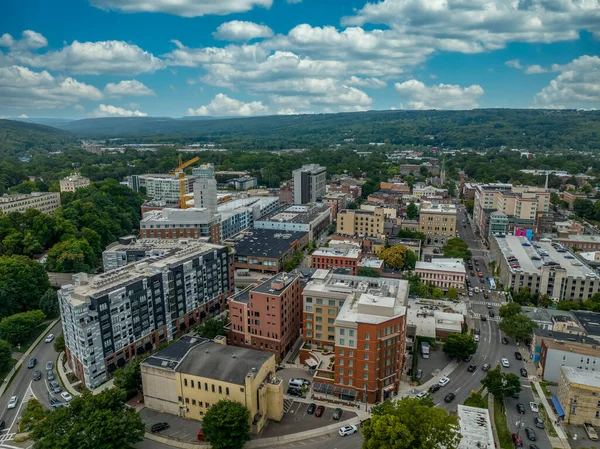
(483,303)
(408,390)
(562,437)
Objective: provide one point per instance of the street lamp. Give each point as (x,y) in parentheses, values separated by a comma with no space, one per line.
(520,423)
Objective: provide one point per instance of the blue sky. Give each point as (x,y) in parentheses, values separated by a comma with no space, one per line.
(80,58)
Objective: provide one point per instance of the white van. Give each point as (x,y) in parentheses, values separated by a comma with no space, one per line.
(297,383)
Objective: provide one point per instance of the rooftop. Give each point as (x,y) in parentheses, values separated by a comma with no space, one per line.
(203,358)
(269,243)
(351,253)
(191,215)
(590,321)
(298,213)
(571,346)
(475,428)
(22,196)
(427,207)
(541,314)
(564,336)
(372,307)
(276,285)
(237,203)
(449,265)
(582,238)
(581,377)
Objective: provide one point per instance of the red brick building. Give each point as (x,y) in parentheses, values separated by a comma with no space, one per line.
(354,190)
(328,258)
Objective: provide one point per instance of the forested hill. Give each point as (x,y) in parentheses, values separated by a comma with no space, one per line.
(19,138)
(483,128)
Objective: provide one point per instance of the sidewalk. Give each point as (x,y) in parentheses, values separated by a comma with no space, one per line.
(406,389)
(62,373)
(491,406)
(26,355)
(562,437)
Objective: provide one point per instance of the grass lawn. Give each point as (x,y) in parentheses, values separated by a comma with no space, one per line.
(544,386)
(547,424)
(4,374)
(501,425)
(26,345)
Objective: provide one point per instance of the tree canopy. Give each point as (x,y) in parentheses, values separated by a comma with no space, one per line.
(500,383)
(518,326)
(411,211)
(20,327)
(460,346)
(510,309)
(22,284)
(410,424)
(5,356)
(456,248)
(129,377)
(225,425)
(399,257)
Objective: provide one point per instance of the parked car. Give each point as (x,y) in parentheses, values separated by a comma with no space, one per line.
(476,331)
(444,381)
(476,338)
(37,375)
(471,368)
(486,366)
(539,422)
(517,440)
(530,433)
(533,446)
(50,375)
(2,425)
(55,403)
(32,362)
(483,318)
(422,394)
(66,396)
(488,305)
(491,314)
(505,363)
(200,435)
(468,359)
(12,403)
(523,372)
(419,374)
(481,280)
(55,387)
(348,430)
(49,365)
(311,409)
(449,397)
(486,295)
(518,355)
(534,407)
(504,340)
(319,411)
(159,427)
(434,388)
(591,432)
(294,392)
(49,338)
(520,408)
(337,414)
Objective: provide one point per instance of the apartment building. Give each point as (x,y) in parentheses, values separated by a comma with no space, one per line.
(74,182)
(570,197)
(191,223)
(362,320)
(443,273)
(578,395)
(244,183)
(337,201)
(205,171)
(310,182)
(355,191)
(437,221)
(542,267)
(554,354)
(367,223)
(46,202)
(112,317)
(297,218)
(191,375)
(162,186)
(328,258)
(267,316)
(389,212)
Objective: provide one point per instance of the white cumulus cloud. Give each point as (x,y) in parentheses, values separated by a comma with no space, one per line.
(366,82)
(222,105)
(441,96)
(184,8)
(30,40)
(514,63)
(238,30)
(127,87)
(105,110)
(535,69)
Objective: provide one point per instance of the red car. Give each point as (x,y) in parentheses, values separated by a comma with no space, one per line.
(319,412)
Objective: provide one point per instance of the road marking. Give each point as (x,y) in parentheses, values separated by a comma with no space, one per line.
(457,389)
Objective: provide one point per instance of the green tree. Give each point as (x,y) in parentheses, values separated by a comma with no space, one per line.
(59,343)
(545,301)
(475,400)
(18,328)
(410,424)
(394,256)
(33,414)
(583,208)
(226,425)
(71,256)
(129,377)
(518,326)
(460,346)
(510,309)
(411,211)
(457,249)
(369,272)
(49,303)
(501,384)
(212,327)
(22,283)
(410,262)
(469,205)
(437,293)
(5,356)
(408,234)
(452,294)
(101,421)
(523,296)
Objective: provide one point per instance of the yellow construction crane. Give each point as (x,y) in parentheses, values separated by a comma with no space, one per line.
(180,171)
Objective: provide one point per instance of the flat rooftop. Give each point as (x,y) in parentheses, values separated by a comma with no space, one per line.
(373,307)
(267,287)
(191,215)
(581,377)
(475,428)
(532,256)
(590,321)
(564,336)
(234,204)
(21,196)
(449,209)
(303,214)
(448,265)
(269,243)
(583,238)
(351,253)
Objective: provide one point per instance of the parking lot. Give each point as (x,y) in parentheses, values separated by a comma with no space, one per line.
(296,420)
(181,429)
(434,364)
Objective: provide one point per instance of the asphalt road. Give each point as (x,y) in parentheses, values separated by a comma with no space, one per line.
(24,387)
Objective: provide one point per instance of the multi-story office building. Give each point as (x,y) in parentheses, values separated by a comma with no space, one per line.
(309,183)
(443,273)
(46,202)
(297,218)
(267,316)
(109,318)
(363,320)
(189,223)
(74,182)
(205,171)
(437,221)
(542,267)
(367,223)
(243,183)
(162,186)
(571,197)
(189,376)
(578,392)
(328,258)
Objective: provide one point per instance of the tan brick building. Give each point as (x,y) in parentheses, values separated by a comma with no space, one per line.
(579,395)
(368,223)
(437,221)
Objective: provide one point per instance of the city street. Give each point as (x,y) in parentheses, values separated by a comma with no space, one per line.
(24,387)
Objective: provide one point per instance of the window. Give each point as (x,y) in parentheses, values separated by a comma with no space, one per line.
(367,346)
(185,382)
(351,332)
(342,331)
(366,366)
(351,343)
(193,402)
(220,390)
(308,309)
(341,352)
(213,387)
(342,341)
(366,356)
(366,376)
(227,391)
(331,311)
(341,370)
(206,386)
(341,362)
(319,301)
(192,383)
(319,310)
(332,303)
(367,336)
(187,400)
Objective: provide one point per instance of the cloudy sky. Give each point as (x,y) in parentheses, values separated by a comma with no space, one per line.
(99,58)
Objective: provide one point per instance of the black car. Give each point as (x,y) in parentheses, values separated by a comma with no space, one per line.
(530,433)
(521,408)
(533,446)
(471,368)
(483,318)
(434,388)
(518,355)
(32,362)
(481,280)
(539,422)
(294,392)
(476,331)
(37,375)
(311,409)
(55,403)
(449,397)
(491,314)
(468,359)
(504,340)
(337,414)
(159,426)
(523,372)
(2,425)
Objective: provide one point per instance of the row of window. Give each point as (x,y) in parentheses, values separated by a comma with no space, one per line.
(199,386)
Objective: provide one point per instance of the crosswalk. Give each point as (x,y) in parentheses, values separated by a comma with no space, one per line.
(483,303)
(479,315)
(287,404)
(6,434)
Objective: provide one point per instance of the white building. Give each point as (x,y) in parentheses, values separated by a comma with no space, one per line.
(443,273)
(73,182)
(309,183)
(162,186)
(475,428)
(303,218)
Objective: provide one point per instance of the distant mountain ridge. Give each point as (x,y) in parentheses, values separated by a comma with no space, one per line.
(48,121)
(20,138)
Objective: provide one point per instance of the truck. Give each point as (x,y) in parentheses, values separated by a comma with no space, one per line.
(425,349)
(591,432)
